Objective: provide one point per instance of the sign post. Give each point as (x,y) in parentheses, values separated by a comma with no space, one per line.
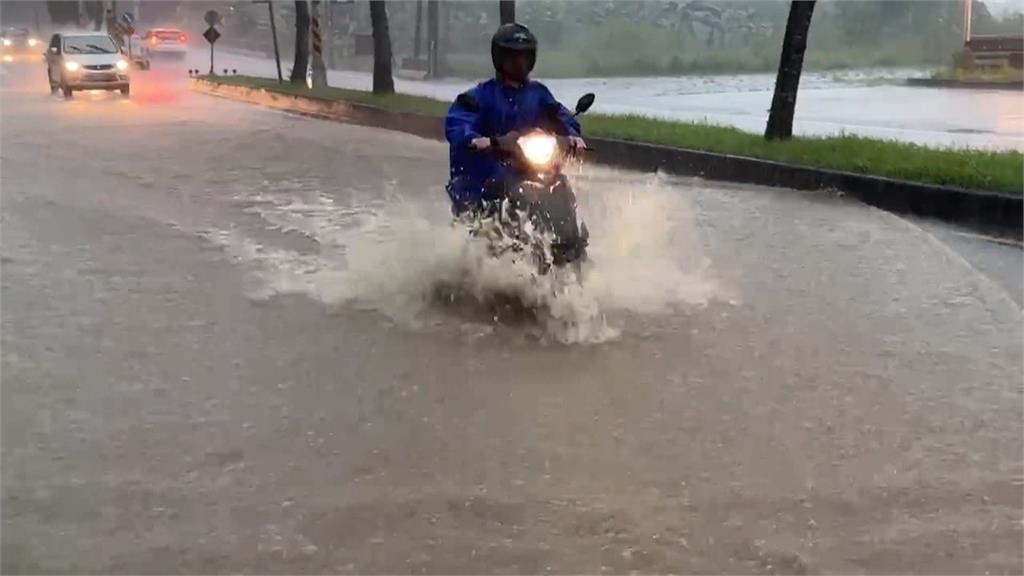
(128,19)
(211,18)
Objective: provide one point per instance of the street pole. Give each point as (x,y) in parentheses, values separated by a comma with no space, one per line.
(329,33)
(277,51)
(273,32)
(319,70)
(967,21)
(432,39)
(416,35)
(507,11)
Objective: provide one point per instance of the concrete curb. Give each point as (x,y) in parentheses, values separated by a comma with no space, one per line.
(988,212)
(938,83)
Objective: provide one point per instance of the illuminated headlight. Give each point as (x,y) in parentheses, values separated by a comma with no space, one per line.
(122,65)
(72,66)
(539,149)
(32,42)
(7,42)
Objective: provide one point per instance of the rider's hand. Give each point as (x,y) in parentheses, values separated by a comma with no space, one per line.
(577,143)
(481,143)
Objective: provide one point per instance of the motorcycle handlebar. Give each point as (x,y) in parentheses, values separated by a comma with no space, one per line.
(501,147)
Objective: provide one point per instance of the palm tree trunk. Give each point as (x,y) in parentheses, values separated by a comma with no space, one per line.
(383,82)
(507,11)
(791,63)
(301,63)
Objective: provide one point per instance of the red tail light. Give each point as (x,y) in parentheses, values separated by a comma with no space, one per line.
(183,38)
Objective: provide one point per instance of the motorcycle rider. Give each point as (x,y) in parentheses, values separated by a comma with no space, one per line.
(510,102)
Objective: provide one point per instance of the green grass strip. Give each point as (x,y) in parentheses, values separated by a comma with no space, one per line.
(1001,171)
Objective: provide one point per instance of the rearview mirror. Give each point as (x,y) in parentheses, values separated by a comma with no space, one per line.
(466,101)
(585,102)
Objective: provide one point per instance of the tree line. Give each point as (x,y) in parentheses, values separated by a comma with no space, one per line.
(780,121)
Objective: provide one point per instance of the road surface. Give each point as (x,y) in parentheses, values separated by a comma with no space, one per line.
(871,103)
(235,340)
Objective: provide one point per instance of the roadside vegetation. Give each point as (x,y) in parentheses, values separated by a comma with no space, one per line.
(973,169)
(999,75)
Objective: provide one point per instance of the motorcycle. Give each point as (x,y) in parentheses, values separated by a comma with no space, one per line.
(534,208)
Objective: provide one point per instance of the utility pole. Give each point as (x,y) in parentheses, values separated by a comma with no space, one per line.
(81,14)
(417,35)
(968,17)
(329,34)
(319,70)
(433,24)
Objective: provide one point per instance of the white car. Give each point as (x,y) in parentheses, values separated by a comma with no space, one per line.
(86,61)
(165,41)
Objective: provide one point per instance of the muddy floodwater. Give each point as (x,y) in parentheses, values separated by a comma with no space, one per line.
(223,352)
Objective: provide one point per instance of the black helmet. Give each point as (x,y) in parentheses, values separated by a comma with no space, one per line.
(513,38)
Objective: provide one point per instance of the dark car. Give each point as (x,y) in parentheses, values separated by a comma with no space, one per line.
(18,43)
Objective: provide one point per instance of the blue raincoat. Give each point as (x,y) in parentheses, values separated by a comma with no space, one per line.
(503,109)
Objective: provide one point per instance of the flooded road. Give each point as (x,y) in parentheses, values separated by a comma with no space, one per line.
(871,103)
(222,351)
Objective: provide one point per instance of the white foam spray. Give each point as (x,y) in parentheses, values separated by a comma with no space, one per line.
(400,256)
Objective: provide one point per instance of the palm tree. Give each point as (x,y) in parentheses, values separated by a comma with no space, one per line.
(383,82)
(301,63)
(791,63)
(507,11)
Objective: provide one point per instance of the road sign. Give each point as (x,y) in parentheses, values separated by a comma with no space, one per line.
(211,35)
(211,17)
(127,18)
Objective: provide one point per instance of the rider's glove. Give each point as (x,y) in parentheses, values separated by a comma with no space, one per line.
(482,143)
(577,143)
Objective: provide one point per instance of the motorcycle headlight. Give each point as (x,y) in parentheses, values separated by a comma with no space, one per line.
(122,65)
(538,149)
(32,42)
(72,66)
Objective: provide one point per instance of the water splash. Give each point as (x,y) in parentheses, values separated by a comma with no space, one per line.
(406,259)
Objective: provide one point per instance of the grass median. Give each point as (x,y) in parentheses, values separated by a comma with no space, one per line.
(967,168)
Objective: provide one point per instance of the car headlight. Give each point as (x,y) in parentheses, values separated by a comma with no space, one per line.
(32,42)
(72,66)
(7,42)
(122,65)
(539,149)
